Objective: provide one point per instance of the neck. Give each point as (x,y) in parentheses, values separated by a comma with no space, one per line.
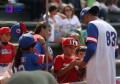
(67,56)
(51,15)
(95,17)
(69,17)
(4,43)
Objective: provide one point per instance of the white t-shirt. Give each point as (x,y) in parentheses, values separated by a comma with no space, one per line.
(55,31)
(72,23)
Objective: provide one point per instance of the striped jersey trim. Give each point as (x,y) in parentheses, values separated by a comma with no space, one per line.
(91,39)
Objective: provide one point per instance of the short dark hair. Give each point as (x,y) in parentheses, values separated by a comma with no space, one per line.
(80,49)
(52,7)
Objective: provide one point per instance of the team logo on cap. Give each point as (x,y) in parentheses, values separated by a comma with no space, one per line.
(18,30)
(73,42)
(82,13)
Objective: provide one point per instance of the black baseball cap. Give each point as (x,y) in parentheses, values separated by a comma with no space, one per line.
(93,10)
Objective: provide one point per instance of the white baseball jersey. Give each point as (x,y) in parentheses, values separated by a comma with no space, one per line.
(101,66)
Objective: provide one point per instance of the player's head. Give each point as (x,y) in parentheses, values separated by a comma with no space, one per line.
(80,51)
(26,41)
(5,34)
(41,29)
(69,45)
(53,8)
(26,44)
(87,13)
(68,10)
(18,29)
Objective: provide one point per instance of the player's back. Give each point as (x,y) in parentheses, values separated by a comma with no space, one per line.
(28,63)
(104,57)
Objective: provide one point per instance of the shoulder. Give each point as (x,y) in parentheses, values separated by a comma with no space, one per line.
(59,57)
(30,54)
(92,25)
(11,44)
(58,17)
(97,22)
(36,36)
(75,17)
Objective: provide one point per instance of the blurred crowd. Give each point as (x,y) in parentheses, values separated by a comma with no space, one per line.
(37,8)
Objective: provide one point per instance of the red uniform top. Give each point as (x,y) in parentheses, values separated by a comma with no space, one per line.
(7,53)
(61,62)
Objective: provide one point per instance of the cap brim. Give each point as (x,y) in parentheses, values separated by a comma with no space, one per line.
(72,45)
(93,10)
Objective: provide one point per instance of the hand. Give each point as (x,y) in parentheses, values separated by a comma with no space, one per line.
(74,63)
(61,15)
(78,62)
(41,39)
(82,64)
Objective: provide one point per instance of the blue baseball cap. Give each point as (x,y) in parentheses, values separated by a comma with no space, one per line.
(93,10)
(18,29)
(26,40)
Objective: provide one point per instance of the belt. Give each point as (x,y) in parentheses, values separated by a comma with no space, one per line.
(3,65)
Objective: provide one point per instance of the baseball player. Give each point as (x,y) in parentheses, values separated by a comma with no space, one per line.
(26,59)
(65,64)
(102,48)
(7,50)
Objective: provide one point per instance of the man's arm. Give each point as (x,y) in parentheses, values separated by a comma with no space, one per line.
(91,43)
(116,49)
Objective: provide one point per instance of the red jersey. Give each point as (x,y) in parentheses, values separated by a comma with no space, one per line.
(61,62)
(7,53)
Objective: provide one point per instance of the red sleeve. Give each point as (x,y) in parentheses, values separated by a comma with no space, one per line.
(42,59)
(49,60)
(58,64)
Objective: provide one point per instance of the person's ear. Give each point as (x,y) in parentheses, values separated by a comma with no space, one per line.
(42,29)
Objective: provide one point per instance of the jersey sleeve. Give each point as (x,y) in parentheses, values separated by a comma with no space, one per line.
(42,59)
(92,34)
(58,63)
(91,41)
(39,48)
